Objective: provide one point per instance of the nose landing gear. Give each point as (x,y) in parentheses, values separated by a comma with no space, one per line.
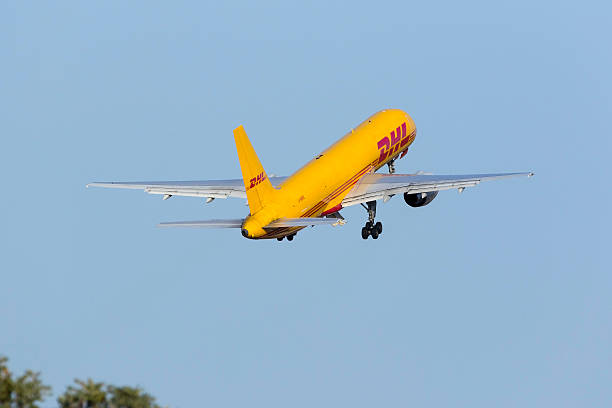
(371,228)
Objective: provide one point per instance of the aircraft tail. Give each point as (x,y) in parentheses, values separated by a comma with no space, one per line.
(259,190)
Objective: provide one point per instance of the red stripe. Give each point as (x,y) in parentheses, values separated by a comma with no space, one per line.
(350,180)
(332,210)
(336,192)
(348,184)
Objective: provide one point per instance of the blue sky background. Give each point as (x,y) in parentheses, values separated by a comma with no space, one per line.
(499,296)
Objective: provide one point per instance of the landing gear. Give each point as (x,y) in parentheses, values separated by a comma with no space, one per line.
(289,237)
(365,232)
(371,228)
(391,166)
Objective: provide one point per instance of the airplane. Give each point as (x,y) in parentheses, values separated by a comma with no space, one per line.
(341,176)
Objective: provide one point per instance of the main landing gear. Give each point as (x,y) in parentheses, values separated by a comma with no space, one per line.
(289,237)
(371,228)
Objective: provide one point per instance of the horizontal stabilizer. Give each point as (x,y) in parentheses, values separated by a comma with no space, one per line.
(236,223)
(301,222)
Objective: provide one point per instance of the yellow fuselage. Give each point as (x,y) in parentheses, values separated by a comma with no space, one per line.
(318,188)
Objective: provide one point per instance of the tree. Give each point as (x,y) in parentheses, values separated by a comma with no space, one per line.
(23,392)
(90,394)
(27,390)
(130,397)
(6,384)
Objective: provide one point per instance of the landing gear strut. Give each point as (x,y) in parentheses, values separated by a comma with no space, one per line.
(391,166)
(371,228)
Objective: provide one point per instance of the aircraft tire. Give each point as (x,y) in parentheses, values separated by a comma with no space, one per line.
(289,237)
(374,234)
(378,227)
(365,233)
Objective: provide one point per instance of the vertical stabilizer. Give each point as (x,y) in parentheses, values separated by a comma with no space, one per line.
(259,190)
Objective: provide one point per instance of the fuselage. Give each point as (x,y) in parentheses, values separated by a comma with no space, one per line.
(318,188)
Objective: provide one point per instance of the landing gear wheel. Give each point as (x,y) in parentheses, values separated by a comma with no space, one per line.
(365,232)
(280,238)
(289,237)
(371,228)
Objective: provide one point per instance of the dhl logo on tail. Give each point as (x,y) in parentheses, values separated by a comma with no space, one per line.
(257,180)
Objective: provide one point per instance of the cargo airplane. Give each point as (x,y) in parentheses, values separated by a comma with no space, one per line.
(341,176)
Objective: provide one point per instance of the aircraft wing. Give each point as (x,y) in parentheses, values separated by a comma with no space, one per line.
(233,223)
(382,186)
(233,188)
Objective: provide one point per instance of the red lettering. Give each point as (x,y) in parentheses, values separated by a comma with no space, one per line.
(407,140)
(394,149)
(396,136)
(383,146)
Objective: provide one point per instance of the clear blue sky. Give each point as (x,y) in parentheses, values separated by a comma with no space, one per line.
(499,296)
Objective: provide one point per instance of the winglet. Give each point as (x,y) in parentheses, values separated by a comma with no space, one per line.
(256,183)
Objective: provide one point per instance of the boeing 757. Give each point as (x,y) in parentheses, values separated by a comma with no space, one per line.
(341,176)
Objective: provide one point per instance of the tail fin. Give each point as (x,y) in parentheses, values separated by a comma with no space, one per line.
(259,190)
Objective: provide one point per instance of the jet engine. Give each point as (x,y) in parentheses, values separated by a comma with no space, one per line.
(420,199)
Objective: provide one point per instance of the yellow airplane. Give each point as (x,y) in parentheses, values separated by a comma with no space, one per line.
(341,176)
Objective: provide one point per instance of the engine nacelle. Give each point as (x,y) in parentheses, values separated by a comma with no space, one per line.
(420,199)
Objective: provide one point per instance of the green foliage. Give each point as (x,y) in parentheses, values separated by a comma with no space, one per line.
(27,390)
(87,394)
(24,391)
(6,384)
(90,394)
(129,397)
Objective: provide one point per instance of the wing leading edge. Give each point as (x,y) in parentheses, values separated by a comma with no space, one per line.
(382,186)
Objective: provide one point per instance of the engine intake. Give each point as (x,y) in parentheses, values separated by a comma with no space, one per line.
(420,199)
